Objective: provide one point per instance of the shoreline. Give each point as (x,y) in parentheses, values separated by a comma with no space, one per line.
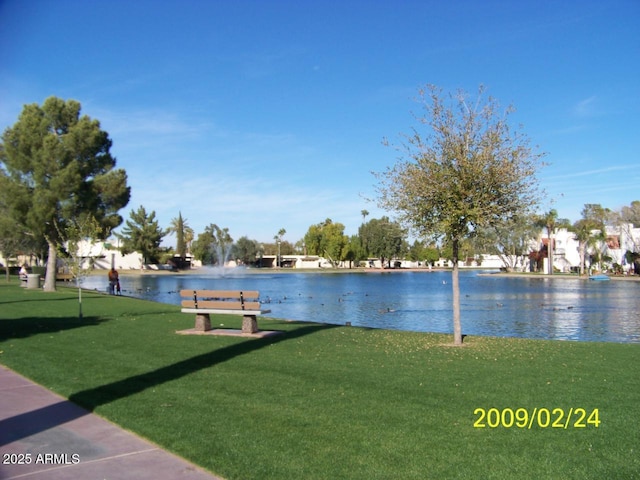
(484,272)
(560,276)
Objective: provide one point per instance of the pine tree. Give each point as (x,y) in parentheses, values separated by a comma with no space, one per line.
(55,166)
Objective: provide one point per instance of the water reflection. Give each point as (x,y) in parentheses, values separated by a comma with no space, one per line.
(567,309)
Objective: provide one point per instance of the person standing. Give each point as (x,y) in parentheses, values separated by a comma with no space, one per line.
(113,280)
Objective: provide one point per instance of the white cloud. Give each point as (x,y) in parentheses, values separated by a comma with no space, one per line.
(573,173)
(586,107)
(256,207)
(252,182)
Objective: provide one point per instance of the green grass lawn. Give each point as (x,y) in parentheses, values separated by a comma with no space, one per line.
(328,402)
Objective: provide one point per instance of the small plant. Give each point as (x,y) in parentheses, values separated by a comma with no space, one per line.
(82,231)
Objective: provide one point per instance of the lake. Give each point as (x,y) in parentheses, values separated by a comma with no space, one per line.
(491,305)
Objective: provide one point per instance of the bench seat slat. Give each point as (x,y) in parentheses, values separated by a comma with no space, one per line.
(229,305)
(224,311)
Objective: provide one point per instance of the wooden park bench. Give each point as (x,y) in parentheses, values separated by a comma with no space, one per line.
(234,302)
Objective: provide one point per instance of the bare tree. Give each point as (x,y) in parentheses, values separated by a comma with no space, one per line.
(467,172)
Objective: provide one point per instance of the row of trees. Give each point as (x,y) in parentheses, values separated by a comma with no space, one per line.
(379,238)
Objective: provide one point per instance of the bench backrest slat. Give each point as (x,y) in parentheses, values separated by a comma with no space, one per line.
(221,294)
(228,305)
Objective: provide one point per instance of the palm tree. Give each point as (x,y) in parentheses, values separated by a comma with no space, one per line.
(551,223)
(596,217)
(583,232)
(278,239)
(599,255)
(189,235)
(179,226)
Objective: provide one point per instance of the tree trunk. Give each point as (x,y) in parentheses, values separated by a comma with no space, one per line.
(52,267)
(550,251)
(455,285)
(582,249)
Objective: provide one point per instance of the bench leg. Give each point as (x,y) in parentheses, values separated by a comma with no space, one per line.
(249,324)
(203,322)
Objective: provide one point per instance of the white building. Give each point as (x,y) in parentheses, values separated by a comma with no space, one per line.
(99,255)
(104,255)
(619,240)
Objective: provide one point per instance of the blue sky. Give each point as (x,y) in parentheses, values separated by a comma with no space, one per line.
(262,115)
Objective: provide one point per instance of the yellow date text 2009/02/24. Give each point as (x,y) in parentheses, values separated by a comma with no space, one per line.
(538,417)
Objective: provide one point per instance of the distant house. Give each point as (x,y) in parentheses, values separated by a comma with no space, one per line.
(618,240)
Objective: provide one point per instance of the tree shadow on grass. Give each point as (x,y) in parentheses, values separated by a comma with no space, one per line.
(93,398)
(43,299)
(30,326)
(51,416)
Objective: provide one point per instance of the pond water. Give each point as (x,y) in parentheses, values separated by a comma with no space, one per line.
(492,305)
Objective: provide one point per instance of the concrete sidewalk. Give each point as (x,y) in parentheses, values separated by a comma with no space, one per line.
(43,436)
